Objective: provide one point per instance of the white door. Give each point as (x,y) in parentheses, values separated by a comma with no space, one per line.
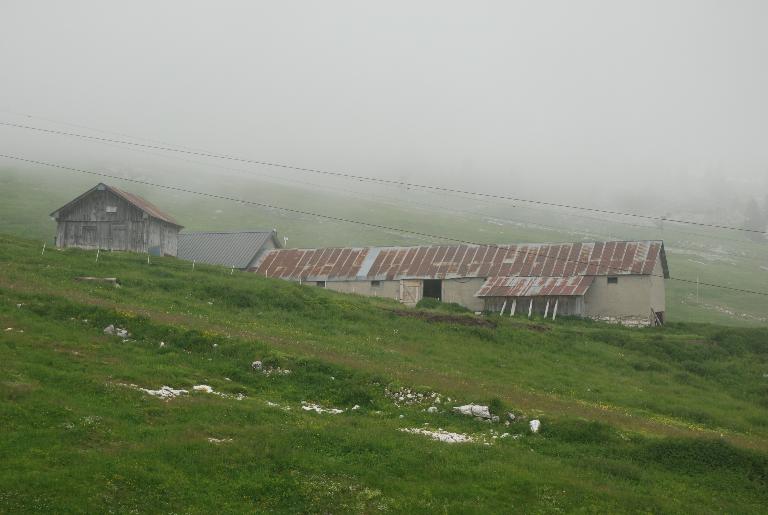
(410,291)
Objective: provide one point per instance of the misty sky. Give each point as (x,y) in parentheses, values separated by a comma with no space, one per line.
(521,96)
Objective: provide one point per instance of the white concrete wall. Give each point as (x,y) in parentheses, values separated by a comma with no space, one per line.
(462,291)
(632,298)
(387,289)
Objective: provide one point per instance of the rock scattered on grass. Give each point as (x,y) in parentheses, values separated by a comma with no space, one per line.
(475,410)
(276,405)
(208,389)
(534,424)
(258,366)
(8,329)
(432,409)
(165,393)
(439,435)
(406,397)
(219,440)
(116,331)
(306,406)
(277,371)
(486,438)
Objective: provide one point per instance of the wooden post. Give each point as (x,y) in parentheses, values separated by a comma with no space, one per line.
(97,255)
(554,311)
(232,271)
(503,306)
(546,308)
(193,265)
(530,307)
(148,259)
(43,252)
(514,305)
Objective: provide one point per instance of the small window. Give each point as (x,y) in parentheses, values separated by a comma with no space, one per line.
(613,280)
(111,209)
(375,284)
(320,284)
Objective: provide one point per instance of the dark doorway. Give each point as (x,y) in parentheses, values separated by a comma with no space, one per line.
(433,289)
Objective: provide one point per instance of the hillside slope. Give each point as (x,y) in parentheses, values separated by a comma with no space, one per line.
(670,419)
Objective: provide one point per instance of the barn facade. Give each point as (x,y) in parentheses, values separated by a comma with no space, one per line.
(621,281)
(109,218)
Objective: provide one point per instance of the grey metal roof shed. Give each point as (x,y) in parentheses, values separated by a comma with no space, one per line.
(237,249)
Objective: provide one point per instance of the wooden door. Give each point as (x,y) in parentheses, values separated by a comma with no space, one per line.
(118,237)
(410,291)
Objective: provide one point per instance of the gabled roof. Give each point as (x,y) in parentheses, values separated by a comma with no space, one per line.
(464,261)
(140,202)
(237,249)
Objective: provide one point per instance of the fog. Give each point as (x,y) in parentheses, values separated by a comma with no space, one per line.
(639,105)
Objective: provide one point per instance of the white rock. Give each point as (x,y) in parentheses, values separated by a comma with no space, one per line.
(355,407)
(9,328)
(162,344)
(474,410)
(202,388)
(439,435)
(110,329)
(534,425)
(432,409)
(306,406)
(165,392)
(256,365)
(511,416)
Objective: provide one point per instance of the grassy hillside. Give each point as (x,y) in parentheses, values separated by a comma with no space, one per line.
(712,256)
(669,419)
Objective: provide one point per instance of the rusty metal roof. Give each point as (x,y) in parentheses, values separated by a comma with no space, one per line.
(459,261)
(535,286)
(140,202)
(312,264)
(144,205)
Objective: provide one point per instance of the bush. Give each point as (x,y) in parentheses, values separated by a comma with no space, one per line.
(579,431)
(699,456)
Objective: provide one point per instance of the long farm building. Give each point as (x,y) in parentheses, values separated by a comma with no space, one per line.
(621,281)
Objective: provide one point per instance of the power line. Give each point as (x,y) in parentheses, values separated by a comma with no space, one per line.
(345,220)
(280,179)
(378,180)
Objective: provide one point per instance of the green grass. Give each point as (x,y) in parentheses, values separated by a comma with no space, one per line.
(657,420)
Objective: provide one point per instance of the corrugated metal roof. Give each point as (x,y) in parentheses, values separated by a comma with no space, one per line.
(315,264)
(535,286)
(140,202)
(236,249)
(456,261)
